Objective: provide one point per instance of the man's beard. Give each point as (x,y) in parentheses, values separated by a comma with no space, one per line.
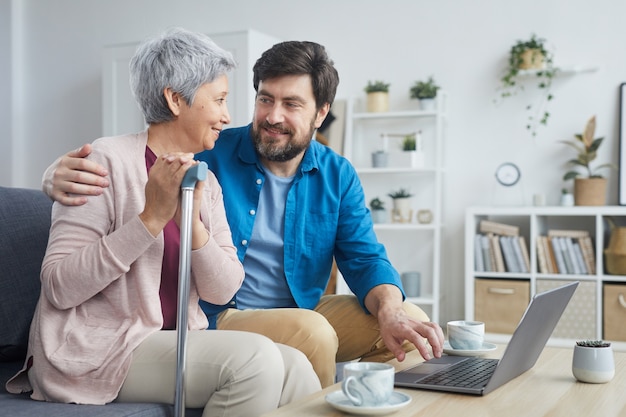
(270,149)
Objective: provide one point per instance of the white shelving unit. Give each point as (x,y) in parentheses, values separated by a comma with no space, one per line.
(411,246)
(590,308)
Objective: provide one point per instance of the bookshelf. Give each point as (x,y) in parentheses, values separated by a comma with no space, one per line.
(499,297)
(413,244)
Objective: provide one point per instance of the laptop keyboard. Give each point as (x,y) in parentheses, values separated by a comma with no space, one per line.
(473,372)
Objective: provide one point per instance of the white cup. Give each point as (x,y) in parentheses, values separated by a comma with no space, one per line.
(466,335)
(368,384)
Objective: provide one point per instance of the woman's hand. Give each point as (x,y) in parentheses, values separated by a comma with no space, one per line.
(163,190)
(199,232)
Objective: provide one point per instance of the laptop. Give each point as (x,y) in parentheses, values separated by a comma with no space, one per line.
(480,376)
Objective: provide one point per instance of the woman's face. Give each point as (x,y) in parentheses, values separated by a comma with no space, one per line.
(203,121)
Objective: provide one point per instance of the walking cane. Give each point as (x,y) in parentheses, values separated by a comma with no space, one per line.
(193,175)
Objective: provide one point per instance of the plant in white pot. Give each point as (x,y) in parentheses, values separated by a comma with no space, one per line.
(589,185)
(425,92)
(377,208)
(593,361)
(401,212)
(412,144)
(377,96)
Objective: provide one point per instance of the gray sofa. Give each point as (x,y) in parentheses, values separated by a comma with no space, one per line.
(24,226)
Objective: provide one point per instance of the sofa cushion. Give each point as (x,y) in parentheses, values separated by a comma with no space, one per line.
(24,228)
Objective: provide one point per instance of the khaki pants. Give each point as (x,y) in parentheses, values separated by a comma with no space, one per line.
(228,373)
(338,330)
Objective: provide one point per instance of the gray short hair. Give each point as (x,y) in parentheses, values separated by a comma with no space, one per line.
(179,59)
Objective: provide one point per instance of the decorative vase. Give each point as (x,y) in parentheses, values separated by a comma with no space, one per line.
(567,199)
(402,212)
(427,104)
(380,159)
(378,102)
(379,216)
(411,283)
(593,364)
(590,191)
(531,59)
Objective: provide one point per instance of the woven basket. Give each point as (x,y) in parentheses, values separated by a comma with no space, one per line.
(615,253)
(590,191)
(615,262)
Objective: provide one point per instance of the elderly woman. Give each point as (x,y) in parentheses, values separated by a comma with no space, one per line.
(104,327)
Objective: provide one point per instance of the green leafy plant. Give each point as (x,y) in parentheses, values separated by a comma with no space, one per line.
(401,193)
(593,343)
(409,143)
(524,56)
(377,86)
(424,89)
(587,148)
(377,204)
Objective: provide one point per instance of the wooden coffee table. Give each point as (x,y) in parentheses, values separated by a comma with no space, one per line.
(547,389)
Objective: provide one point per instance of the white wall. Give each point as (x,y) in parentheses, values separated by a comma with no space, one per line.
(464,44)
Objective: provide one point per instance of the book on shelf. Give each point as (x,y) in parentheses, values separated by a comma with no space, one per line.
(497,251)
(586,247)
(524,249)
(479,264)
(552,264)
(582,266)
(558,255)
(487,258)
(488,226)
(566,252)
(542,260)
(568,233)
(508,250)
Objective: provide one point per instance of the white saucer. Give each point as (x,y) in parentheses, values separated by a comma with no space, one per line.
(487,347)
(338,400)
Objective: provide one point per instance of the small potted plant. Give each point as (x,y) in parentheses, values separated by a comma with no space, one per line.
(377,96)
(589,185)
(593,361)
(530,56)
(377,207)
(412,144)
(401,211)
(425,92)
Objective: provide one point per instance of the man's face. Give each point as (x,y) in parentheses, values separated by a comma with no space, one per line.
(285,117)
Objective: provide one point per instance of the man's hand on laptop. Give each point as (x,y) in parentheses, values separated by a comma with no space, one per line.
(399,327)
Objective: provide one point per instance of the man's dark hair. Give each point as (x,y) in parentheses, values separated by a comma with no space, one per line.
(299,58)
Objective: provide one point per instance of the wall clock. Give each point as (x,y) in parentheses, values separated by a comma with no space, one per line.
(508,174)
(508,189)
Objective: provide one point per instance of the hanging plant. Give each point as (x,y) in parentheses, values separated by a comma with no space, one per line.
(530,57)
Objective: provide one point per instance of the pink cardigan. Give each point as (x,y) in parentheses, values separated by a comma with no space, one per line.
(100,282)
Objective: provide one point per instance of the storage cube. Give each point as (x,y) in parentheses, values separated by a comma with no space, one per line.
(500,303)
(614,312)
(579,318)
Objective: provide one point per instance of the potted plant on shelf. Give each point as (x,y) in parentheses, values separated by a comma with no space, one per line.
(401,211)
(530,57)
(377,96)
(589,185)
(593,361)
(425,92)
(412,145)
(377,207)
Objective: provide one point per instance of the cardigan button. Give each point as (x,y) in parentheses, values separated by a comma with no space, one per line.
(244,242)
(252,212)
(259,181)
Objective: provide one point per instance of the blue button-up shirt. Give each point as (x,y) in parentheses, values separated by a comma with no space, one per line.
(325,216)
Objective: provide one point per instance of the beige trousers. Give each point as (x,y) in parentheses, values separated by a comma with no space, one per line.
(228,373)
(338,330)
